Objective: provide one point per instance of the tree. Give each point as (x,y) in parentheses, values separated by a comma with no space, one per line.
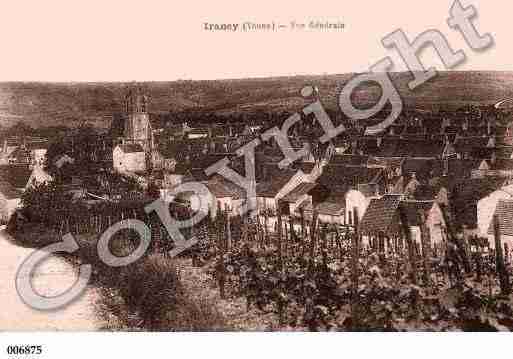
(45,202)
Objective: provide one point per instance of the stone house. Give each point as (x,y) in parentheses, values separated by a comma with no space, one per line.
(504,213)
(490,204)
(129,158)
(383,218)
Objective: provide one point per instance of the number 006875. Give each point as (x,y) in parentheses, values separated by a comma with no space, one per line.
(24,349)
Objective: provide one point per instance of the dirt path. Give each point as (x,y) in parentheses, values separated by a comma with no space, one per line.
(52,277)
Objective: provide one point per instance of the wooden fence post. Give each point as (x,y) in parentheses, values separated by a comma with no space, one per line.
(452,238)
(266,235)
(279,238)
(220,263)
(381,247)
(228,229)
(313,234)
(499,259)
(409,243)
(302,211)
(292,234)
(244,236)
(426,247)
(355,255)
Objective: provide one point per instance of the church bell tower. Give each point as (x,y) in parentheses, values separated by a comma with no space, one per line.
(137,124)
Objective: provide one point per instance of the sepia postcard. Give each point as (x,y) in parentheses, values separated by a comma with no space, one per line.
(202,169)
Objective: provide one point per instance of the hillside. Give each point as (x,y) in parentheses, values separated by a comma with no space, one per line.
(48,104)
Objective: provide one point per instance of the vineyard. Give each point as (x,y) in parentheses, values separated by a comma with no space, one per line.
(316,276)
(319,277)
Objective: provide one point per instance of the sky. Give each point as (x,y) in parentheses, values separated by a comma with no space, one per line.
(156,40)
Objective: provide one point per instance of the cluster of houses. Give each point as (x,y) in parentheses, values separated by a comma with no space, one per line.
(21,162)
(30,151)
(422,164)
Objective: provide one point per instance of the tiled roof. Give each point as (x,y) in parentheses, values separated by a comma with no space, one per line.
(218,190)
(420,166)
(381,215)
(235,191)
(198,174)
(473,189)
(275,183)
(368,189)
(467,144)
(306,167)
(271,170)
(389,162)
(465,195)
(172,149)
(400,147)
(457,169)
(331,208)
(411,209)
(416,137)
(426,192)
(205,161)
(504,213)
(305,205)
(131,148)
(159,120)
(298,192)
(352,160)
(338,177)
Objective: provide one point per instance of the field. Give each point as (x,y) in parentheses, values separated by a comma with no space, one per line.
(52,104)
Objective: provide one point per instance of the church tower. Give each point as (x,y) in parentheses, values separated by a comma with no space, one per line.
(137,124)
